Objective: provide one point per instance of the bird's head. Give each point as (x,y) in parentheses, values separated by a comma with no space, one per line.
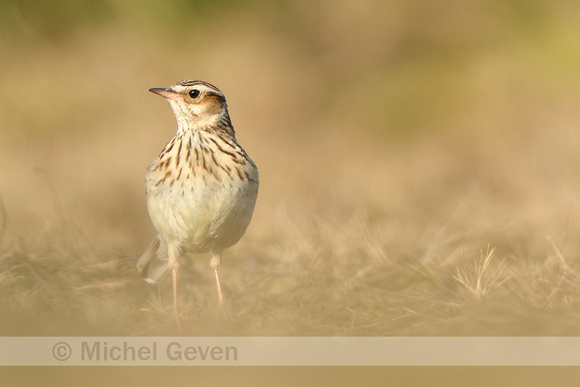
(196,104)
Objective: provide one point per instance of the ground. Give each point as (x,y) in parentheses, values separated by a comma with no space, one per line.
(418,166)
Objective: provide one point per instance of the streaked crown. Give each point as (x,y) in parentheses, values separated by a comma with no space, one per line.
(195,103)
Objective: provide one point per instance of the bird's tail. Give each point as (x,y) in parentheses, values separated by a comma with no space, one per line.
(153,263)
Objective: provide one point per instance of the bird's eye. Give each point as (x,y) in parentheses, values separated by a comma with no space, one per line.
(194,93)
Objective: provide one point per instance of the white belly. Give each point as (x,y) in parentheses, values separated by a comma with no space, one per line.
(202,215)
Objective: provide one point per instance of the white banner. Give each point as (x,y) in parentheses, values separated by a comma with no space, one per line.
(289,351)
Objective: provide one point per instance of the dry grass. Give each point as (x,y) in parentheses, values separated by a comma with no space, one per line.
(479,279)
(390,153)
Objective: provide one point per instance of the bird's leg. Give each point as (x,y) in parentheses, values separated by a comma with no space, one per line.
(219,288)
(174,265)
(215,264)
(175,312)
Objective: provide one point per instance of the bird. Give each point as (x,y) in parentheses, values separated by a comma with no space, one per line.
(202,188)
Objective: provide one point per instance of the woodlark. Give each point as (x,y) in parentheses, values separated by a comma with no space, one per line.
(202,188)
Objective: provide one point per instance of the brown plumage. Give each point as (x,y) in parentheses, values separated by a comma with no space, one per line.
(202,189)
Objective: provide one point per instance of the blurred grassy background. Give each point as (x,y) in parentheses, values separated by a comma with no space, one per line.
(397,141)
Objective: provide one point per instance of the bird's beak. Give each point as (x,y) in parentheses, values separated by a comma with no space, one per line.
(165,93)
